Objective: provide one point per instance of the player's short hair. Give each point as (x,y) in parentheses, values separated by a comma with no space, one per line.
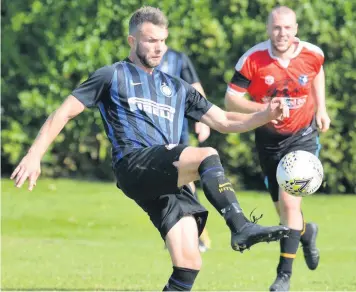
(280,9)
(147,14)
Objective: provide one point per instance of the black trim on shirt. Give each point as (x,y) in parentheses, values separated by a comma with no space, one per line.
(240,80)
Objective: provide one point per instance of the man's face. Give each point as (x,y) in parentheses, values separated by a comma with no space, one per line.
(150,44)
(282,29)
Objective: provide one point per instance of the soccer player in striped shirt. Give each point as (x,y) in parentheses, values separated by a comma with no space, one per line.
(143,111)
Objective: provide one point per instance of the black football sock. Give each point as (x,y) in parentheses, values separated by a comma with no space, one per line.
(306,234)
(219,192)
(289,247)
(182,279)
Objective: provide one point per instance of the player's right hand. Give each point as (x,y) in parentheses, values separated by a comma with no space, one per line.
(278,109)
(203,131)
(29,168)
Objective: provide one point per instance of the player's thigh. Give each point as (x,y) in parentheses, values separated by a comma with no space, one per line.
(148,173)
(189,162)
(269,162)
(167,210)
(289,203)
(310,144)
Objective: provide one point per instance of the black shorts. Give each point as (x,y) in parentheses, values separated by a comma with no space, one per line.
(270,154)
(149,177)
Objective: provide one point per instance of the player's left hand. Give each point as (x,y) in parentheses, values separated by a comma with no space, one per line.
(203,131)
(322,120)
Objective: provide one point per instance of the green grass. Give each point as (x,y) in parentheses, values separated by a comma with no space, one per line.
(72,235)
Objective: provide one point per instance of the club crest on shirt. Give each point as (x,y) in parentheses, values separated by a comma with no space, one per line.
(165,89)
(269,80)
(303,79)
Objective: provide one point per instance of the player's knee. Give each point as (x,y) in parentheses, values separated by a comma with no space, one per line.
(210,165)
(190,258)
(195,263)
(207,152)
(290,206)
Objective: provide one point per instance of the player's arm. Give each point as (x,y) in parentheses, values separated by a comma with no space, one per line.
(85,95)
(235,97)
(201,129)
(29,167)
(70,108)
(318,90)
(190,75)
(233,122)
(318,93)
(199,108)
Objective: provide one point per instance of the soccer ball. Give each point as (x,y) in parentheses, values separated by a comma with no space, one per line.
(300,173)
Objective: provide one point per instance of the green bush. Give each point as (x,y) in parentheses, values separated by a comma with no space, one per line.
(48,47)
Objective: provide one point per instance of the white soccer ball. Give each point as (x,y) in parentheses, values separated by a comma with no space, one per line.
(300,173)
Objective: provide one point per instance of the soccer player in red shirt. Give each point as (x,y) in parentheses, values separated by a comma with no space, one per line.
(286,67)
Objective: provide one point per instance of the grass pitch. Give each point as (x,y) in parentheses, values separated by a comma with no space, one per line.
(73,235)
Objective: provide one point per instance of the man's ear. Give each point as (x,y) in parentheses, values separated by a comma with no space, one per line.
(131,40)
(296,29)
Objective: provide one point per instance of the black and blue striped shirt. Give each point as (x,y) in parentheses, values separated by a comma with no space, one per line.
(139,109)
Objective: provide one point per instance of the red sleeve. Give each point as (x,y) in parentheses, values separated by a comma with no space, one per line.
(242,77)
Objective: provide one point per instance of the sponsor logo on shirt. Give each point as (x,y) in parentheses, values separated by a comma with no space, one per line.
(151,107)
(292,102)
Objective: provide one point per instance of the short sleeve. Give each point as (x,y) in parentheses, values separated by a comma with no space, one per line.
(189,73)
(94,88)
(196,105)
(320,61)
(316,55)
(243,74)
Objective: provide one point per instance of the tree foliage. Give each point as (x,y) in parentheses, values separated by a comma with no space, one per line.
(49,46)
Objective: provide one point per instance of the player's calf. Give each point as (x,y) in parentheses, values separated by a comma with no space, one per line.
(288,248)
(221,195)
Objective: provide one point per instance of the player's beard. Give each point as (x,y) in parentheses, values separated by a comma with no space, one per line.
(144,60)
